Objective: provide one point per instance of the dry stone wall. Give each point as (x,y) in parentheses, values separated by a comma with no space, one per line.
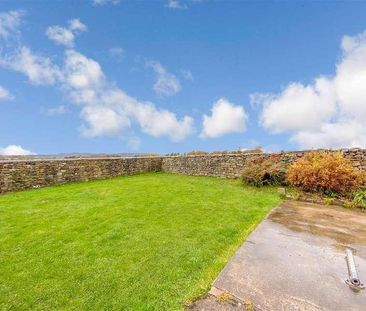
(16,175)
(23,174)
(231,165)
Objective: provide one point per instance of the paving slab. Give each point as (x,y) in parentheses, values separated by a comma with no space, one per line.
(295,260)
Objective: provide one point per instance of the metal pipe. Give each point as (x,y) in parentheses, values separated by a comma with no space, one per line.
(353,281)
(353,277)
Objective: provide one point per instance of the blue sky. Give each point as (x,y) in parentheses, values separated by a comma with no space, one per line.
(173,76)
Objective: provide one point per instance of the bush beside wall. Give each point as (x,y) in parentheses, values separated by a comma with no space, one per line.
(325,172)
(232,165)
(27,174)
(261,172)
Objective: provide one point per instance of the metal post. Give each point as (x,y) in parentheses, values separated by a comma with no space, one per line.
(353,281)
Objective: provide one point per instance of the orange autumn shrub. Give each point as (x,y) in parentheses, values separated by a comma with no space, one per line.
(324,172)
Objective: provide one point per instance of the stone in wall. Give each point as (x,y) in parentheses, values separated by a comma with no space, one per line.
(28,174)
(231,165)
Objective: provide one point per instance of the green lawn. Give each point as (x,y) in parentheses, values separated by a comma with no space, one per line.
(145,242)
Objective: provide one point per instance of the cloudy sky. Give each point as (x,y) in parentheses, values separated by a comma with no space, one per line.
(173,76)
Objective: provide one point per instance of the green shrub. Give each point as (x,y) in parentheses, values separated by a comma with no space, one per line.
(359,198)
(263,172)
(348,204)
(328,201)
(324,172)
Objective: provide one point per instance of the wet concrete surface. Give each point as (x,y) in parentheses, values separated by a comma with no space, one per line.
(210,302)
(295,260)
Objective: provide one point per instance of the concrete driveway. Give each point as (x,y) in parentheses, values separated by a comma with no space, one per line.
(295,260)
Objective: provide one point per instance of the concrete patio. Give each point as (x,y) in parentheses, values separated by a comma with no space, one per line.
(295,260)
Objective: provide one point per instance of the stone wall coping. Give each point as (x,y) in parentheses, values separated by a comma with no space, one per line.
(20,173)
(178,156)
(262,153)
(74,159)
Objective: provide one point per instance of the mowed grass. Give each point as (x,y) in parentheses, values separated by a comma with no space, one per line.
(144,242)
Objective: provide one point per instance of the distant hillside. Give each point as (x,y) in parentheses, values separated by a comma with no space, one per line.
(70,156)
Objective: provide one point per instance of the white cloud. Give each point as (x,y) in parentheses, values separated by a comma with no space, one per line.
(103,2)
(59,110)
(225,118)
(331,111)
(187,75)
(60,35)
(160,122)
(166,84)
(9,23)
(86,85)
(14,150)
(82,73)
(104,108)
(77,26)
(117,53)
(38,69)
(116,109)
(345,133)
(66,36)
(108,110)
(313,103)
(175,5)
(103,120)
(5,94)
